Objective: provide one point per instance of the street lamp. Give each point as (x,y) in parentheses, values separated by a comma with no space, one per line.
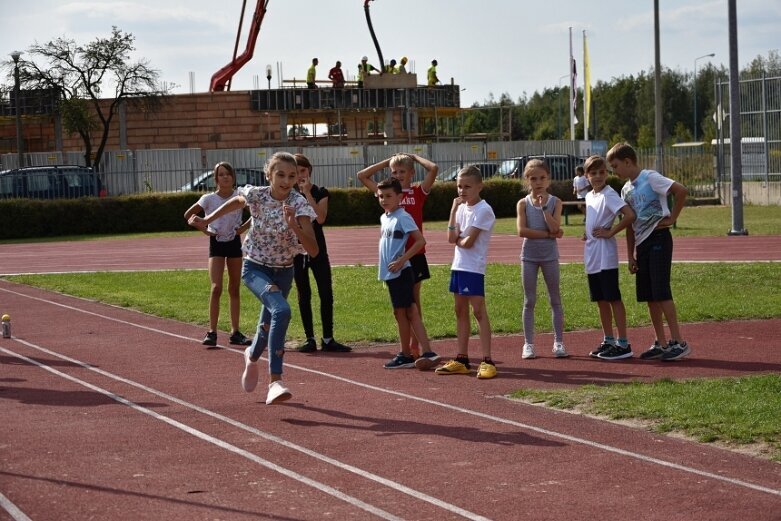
(711,55)
(17,87)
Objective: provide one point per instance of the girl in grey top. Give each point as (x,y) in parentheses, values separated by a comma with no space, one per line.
(538,222)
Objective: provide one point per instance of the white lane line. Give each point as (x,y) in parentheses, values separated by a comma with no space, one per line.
(554,434)
(8,506)
(416,494)
(216,441)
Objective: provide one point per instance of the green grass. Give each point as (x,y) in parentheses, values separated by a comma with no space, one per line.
(735,411)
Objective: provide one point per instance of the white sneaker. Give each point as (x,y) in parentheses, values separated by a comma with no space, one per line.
(528,351)
(277,393)
(249,379)
(559,351)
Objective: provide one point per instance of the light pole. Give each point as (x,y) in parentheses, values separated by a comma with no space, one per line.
(17,88)
(711,55)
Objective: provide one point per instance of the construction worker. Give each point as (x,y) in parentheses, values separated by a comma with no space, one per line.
(364,69)
(392,69)
(310,75)
(403,65)
(432,74)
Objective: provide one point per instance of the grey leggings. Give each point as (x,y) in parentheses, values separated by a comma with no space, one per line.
(550,273)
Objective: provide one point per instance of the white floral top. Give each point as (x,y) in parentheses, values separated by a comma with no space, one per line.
(269,240)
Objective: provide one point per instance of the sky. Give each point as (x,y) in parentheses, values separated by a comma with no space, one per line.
(488,47)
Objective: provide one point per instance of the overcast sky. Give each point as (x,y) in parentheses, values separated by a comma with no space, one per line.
(486,46)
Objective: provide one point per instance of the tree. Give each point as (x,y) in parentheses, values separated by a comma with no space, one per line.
(80,73)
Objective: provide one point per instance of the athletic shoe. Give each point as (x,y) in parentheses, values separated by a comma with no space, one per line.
(249,379)
(604,346)
(238,339)
(616,352)
(332,346)
(401,361)
(486,371)
(654,352)
(676,351)
(309,346)
(454,367)
(277,393)
(427,360)
(559,351)
(528,351)
(210,339)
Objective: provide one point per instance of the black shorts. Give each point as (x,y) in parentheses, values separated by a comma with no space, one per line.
(400,289)
(228,249)
(420,270)
(603,286)
(654,264)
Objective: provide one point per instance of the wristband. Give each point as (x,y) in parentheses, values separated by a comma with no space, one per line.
(451,227)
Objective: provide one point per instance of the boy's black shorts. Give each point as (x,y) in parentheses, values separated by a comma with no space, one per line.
(400,289)
(227,249)
(420,270)
(654,264)
(603,286)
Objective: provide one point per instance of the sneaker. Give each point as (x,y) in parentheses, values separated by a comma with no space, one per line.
(249,379)
(454,367)
(676,351)
(401,361)
(486,371)
(277,393)
(427,360)
(654,352)
(310,346)
(528,351)
(332,346)
(616,352)
(210,339)
(559,351)
(238,339)
(601,348)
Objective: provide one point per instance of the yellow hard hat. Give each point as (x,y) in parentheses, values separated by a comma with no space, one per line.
(403,59)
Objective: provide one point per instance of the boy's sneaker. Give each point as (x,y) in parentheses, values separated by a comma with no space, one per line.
(654,352)
(277,393)
(210,339)
(249,379)
(332,346)
(486,371)
(238,339)
(528,351)
(309,346)
(400,361)
(454,367)
(601,348)
(427,360)
(676,351)
(616,352)
(559,351)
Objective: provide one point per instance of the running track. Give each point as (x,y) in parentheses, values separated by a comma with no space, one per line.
(112,414)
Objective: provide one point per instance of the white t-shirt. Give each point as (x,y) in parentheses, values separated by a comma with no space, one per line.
(647,195)
(601,210)
(480,216)
(580,183)
(224,227)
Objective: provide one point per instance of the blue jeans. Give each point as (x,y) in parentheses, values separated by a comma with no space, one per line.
(271,286)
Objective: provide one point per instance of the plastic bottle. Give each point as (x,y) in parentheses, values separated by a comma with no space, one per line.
(6,326)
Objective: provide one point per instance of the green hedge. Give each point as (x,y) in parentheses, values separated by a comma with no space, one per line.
(157,212)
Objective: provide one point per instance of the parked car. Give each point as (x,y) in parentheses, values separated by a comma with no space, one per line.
(450,174)
(562,166)
(244,176)
(51,182)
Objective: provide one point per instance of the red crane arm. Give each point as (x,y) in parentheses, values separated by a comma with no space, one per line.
(221,78)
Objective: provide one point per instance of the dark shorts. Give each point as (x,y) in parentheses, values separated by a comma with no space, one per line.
(654,264)
(603,286)
(467,283)
(228,249)
(400,289)
(420,267)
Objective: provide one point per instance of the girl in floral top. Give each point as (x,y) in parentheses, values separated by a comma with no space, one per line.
(281,227)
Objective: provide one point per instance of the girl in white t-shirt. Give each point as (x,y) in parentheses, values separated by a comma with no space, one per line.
(224,251)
